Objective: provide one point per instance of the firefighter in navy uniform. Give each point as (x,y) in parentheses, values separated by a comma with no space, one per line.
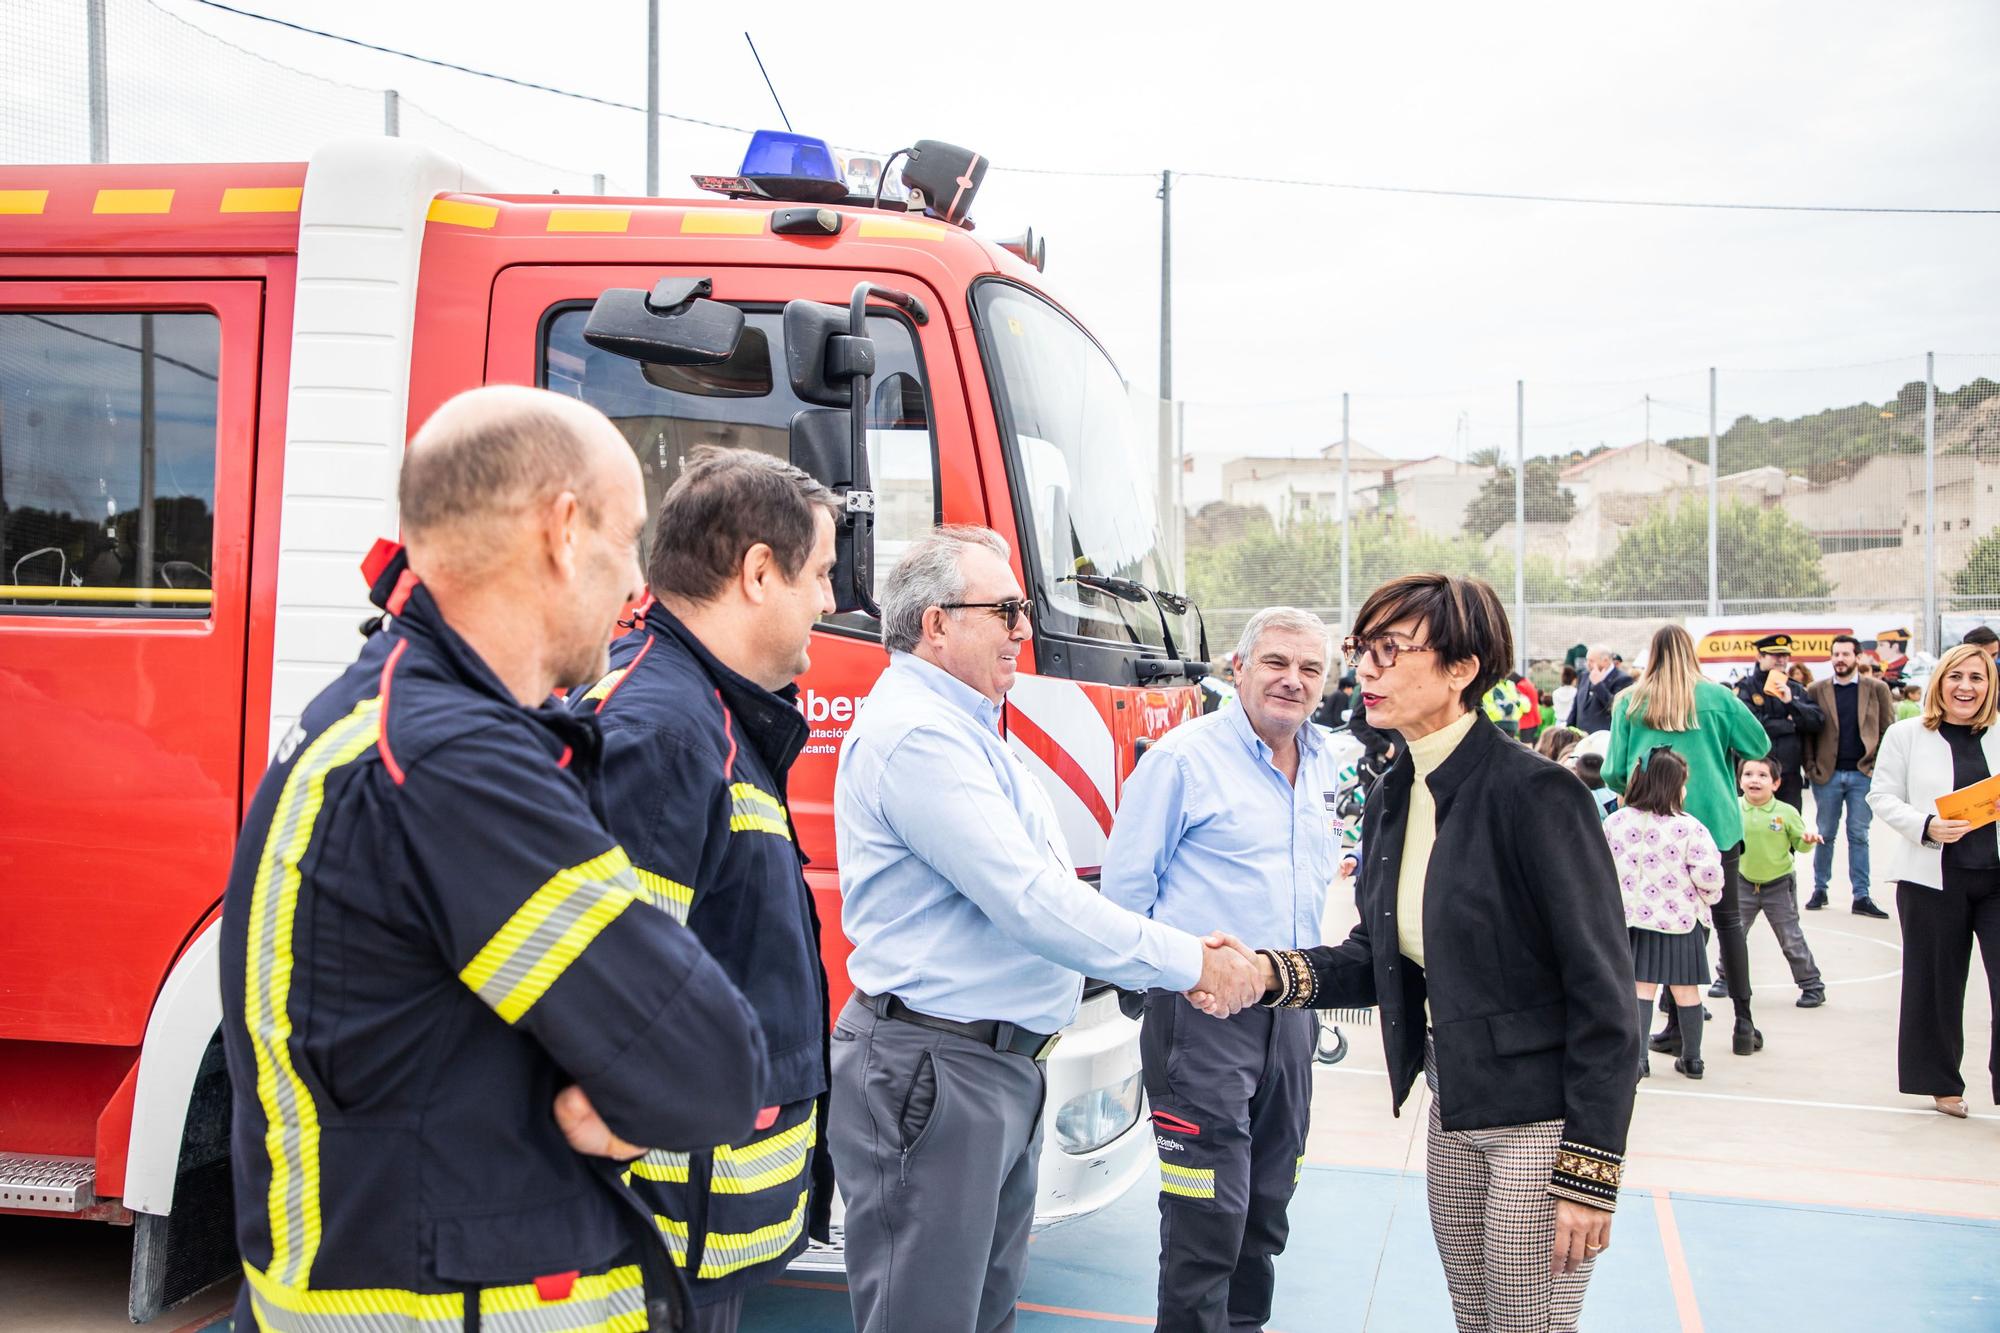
(1787,714)
(700,730)
(443,997)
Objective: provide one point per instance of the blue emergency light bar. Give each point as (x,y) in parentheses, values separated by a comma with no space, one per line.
(791,156)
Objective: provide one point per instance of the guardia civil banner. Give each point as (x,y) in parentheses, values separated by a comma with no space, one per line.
(1725,644)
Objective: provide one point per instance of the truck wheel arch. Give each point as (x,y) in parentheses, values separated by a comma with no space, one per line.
(186,1020)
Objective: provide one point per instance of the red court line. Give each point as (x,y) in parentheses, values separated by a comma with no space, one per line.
(810,1286)
(1677,1268)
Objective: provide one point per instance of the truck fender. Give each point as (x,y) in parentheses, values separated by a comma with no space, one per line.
(184,1023)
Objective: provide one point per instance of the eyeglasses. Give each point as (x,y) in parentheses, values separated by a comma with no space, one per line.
(1011,610)
(1382,647)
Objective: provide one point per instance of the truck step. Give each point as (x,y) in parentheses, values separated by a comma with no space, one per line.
(47,1184)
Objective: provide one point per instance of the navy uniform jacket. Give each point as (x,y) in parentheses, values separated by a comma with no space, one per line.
(695,764)
(1787,724)
(429,932)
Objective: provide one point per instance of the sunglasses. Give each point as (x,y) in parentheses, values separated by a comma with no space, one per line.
(1012,610)
(1382,647)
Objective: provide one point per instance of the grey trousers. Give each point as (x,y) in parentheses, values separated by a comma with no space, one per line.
(722,1316)
(1778,901)
(935,1140)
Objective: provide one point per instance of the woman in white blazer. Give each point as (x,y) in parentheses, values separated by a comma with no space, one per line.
(1947,872)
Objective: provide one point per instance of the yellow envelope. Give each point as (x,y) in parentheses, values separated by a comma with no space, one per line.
(1973,804)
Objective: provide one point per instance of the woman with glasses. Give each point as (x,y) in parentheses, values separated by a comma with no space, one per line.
(1947,873)
(1501,964)
(1674,705)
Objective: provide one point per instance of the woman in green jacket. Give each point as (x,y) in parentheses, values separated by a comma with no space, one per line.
(1672,704)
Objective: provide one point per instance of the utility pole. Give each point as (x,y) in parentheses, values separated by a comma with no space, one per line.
(1649,418)
(1714,507)
(1930,502)
(392,113)
(1166,448)
(1346,521)
(100,79)
(652,97)
(1521,526)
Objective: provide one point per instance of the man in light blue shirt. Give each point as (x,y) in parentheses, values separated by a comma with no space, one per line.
(1230,818)
(971,936)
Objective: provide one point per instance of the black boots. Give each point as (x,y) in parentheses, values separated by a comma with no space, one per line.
(1692,1024)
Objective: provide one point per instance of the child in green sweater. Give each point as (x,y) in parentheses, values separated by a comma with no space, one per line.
(1772,832)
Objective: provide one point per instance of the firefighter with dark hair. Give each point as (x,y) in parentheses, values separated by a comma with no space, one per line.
(446,1011)
(700,731)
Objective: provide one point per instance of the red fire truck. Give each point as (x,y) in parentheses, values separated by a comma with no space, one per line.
(207,374)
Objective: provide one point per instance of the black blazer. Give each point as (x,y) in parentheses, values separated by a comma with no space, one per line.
(1529,966)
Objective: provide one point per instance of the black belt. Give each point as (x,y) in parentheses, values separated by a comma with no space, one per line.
(987,1032)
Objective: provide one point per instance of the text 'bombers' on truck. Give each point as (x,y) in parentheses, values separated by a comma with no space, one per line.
(207,374)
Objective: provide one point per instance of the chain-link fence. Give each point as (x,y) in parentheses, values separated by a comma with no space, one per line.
(1859,497)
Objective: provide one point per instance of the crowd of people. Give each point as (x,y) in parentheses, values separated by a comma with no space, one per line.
(524,1006)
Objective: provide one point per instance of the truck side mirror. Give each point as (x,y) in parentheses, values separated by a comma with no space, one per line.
(822,448)
(675,324)
(823,357)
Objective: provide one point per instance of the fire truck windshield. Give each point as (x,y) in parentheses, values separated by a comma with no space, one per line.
(1084,465)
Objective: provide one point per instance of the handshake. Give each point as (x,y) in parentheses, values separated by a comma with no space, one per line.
(1233,976)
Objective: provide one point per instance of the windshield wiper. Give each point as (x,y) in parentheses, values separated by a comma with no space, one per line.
(1150,669)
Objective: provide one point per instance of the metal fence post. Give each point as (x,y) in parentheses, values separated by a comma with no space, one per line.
(1177,510)
(100,79)
(1714,579)
(597,183)
(1521,525)
(392,113)
(1346,524)
(1930,501)
(652,98)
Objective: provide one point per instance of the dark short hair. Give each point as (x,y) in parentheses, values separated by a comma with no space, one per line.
(1590,767)
(1770,765)
(725,502)
(1463,620)
(1569,675)
(1656,782)
(1981,635)
(1845,638)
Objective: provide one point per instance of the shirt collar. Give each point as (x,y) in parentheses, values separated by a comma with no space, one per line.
(947,687)
(1238,722)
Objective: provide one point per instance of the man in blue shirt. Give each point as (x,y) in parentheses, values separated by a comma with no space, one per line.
(1230,818)
(971,936)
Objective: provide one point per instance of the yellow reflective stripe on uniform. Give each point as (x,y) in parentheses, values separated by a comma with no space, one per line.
(525,956)
(670,896)
(675,1233)
(291,1121)
(1191,1182)
(724,1253)
(1299,1171)
(659,1164)
(765,1164)
(602,689)
(613,1302)
(754,810)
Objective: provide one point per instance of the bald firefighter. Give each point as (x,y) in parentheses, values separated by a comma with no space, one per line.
(447,1011)
(700,731)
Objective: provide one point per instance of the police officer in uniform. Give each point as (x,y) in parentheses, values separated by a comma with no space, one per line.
(1229,819)
(700,731)
(1787,714)
(445,1008)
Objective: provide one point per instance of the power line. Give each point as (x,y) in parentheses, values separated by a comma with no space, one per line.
(1296,182)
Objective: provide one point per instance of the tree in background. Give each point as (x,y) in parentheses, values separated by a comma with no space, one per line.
(1542,496)
(1762,554)
(1981,575)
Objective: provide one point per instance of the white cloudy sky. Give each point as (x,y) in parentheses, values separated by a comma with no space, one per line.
(1426,309)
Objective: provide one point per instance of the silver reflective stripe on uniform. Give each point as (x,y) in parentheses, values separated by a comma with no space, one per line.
(613,1302)
(766,1163)
(754,810)
(659,1164)
(549,931)
(725,1253)
(670,896)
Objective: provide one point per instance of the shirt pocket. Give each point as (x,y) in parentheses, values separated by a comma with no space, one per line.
(1526,1031)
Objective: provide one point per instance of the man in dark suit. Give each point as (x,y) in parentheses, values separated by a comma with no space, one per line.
(1601,683)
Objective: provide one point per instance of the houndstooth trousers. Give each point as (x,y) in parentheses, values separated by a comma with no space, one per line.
(1495,1224)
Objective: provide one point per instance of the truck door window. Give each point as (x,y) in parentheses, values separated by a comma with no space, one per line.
(667,411)
(107,462)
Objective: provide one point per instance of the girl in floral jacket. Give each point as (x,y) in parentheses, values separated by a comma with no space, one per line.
(1669,871)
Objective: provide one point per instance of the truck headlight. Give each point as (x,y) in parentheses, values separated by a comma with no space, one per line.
(1086,1123)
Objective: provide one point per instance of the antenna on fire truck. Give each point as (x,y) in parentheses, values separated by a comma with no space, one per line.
(767,81)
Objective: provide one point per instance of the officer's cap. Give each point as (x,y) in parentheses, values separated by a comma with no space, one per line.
(1775,643)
